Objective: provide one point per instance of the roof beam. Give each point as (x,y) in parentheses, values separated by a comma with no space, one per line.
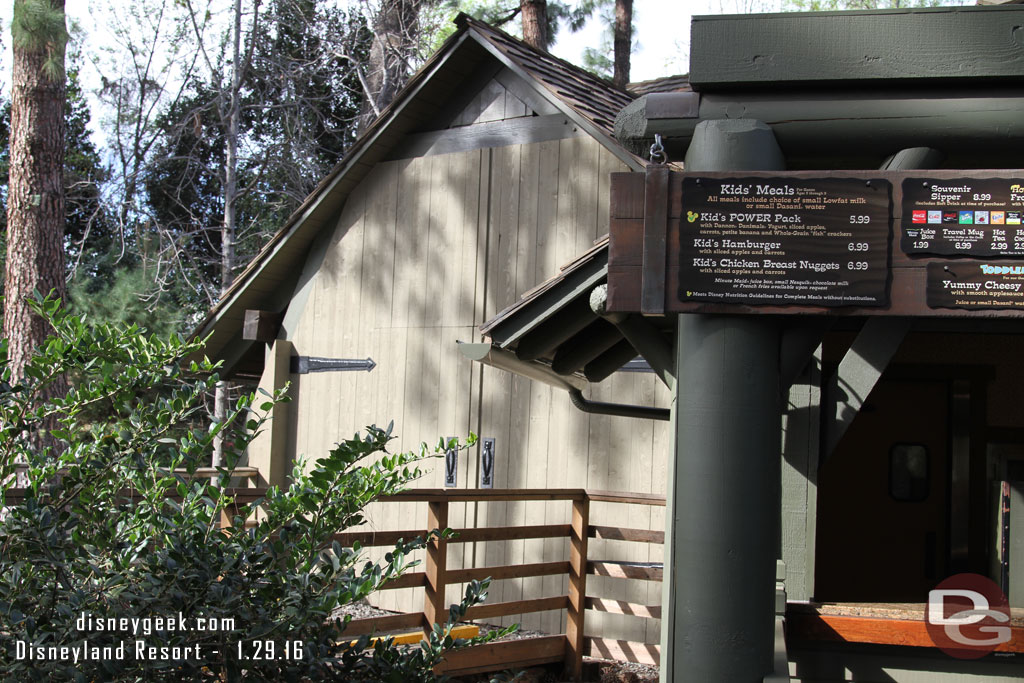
(261,326)
(858,372)
(641,334)
(608,362)
(853,124)
(555,330)
(585,346)
(518,131)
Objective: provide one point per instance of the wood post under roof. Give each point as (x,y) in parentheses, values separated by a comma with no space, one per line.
(722,521)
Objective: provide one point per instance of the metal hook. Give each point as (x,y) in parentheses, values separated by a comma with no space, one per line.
(658,155)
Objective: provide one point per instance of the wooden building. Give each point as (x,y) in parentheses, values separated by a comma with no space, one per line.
(874,450)
(488,172)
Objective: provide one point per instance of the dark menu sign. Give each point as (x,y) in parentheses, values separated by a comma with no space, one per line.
(785,240)
(976,284)
(963,217)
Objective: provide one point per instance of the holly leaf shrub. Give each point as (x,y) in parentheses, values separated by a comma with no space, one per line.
(114,564)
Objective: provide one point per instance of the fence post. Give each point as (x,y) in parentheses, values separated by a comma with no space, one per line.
(577,586)
(434,607)
(227,514)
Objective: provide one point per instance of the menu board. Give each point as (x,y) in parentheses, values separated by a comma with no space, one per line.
(978,217)
(785,240)
(976,284)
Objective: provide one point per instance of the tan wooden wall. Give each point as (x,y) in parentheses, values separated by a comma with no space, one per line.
(424,251)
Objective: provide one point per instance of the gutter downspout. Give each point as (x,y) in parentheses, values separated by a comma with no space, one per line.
(618,409)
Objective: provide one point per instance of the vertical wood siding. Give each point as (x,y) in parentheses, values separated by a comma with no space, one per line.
(424,251)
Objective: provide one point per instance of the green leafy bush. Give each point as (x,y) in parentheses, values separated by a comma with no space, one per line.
(106,534)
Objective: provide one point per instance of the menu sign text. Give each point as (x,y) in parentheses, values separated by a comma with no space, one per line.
(976,284)
(978,217)
(785,240)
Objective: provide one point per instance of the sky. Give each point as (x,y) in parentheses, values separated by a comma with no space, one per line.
(662,27)
(662,33)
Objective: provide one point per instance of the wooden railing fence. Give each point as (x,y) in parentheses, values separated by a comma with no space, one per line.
(245,494)
(569,647)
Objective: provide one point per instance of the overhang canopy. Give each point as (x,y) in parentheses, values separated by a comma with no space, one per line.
(554,334)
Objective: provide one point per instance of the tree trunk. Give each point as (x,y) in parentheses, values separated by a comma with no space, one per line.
(623,41)
(35,201)
(394,40)
(227,234)
(535,23)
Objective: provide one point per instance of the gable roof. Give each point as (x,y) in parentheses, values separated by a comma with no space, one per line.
(679,83)
(596,100)
(269,280)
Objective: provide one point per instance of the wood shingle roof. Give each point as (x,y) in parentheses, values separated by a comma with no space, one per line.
(591,97)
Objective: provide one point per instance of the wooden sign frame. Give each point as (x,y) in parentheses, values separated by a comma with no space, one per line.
(647,222)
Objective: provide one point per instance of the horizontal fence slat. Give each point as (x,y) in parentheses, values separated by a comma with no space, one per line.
(377,538)
(623,650)
(246,472)
(482,495)
(509,533)
(381,538)
(393,622)
(242,495)
(509,654)
(406,580)
(614,533)
(504,609)
(622,607)
(467,495)
(510,571)
(623,497)
(624,571)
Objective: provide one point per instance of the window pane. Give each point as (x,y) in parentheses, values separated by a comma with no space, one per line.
(908,472)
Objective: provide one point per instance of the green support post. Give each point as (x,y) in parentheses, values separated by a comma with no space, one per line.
(723,516)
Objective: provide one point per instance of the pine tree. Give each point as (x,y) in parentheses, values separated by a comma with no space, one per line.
(35,200)
(617,16)
(92,246)
(535,23)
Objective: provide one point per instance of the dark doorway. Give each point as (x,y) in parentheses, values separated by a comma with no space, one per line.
(883,496)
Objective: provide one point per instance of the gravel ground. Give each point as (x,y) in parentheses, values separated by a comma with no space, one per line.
(360,610)
(599,670)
